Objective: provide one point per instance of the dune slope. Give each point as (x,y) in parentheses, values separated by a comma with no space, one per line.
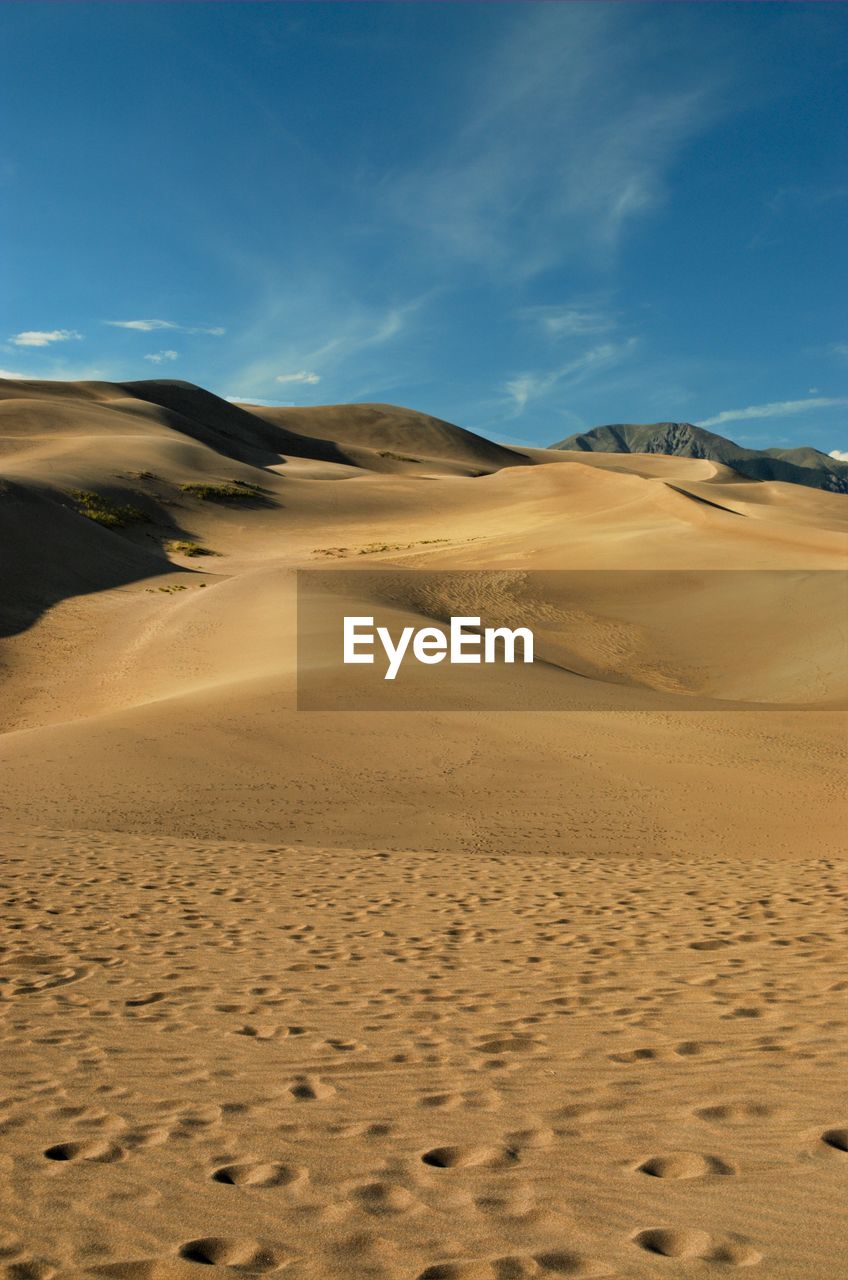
(412,995)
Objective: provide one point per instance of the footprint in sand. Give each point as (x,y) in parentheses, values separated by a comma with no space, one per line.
(516,1203)
(516,1043)
(311,1089)
(684,1164)
(670,1242)
(146,1135)
(568,1262)
(263,1031)
(443,1101)
(556,1262)
(10,1245)
(269,1174)
(29,1270)
(247,1256)
(137,1002)
(737,1112)
(456,1271)
(691,1048)
(467,1157)
(385,1197)
(634,1055)
(99,1152)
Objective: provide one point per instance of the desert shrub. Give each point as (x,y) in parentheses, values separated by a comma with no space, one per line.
(95,507)
(184,547)
(230,491)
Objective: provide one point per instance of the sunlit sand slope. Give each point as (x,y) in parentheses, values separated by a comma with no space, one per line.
(149,665)
(436,995)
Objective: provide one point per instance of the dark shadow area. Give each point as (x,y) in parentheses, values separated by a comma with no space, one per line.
(696,497)
(50,551)
(230,430)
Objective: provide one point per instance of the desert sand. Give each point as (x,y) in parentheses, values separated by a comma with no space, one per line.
(425,994)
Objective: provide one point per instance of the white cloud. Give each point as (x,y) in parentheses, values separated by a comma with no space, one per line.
(839,348)
(532,386)
(15,377)
(43,337)
(159,357)
(776,409)
(150,326)
(841,455)
(302,375)
(250,400)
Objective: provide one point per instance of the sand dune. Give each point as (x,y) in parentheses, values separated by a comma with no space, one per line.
(401,435)
(455,994)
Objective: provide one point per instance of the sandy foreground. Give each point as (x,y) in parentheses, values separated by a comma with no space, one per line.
(413,995)
(348,1063)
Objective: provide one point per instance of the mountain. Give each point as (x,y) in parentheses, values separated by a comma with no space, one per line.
(794,466)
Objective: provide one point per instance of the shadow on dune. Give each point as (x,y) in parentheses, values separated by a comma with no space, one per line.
(228,429)
(51,552)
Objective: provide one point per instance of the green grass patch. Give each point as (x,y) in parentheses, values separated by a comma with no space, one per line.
(186,548)
(97,508)
(231,491)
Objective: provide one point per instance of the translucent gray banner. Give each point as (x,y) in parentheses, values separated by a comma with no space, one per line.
(389,639)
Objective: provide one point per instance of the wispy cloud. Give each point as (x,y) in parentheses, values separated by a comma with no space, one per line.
(159,357)
(44,337)
(566,136)
(150,326)
(334,337)
(776,409)
(841,455)
(526,387)
(839,349)
(15,377)
(569,320)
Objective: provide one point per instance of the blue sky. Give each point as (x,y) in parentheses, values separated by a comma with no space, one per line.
(526,218)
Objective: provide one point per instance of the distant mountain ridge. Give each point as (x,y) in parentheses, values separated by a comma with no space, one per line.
(795,466)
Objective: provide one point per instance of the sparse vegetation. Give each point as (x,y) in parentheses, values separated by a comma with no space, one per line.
(229,491)
(374,547)
(397,457)
(97,508)
(184,547)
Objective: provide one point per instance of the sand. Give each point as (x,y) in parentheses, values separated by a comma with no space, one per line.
(410,995)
